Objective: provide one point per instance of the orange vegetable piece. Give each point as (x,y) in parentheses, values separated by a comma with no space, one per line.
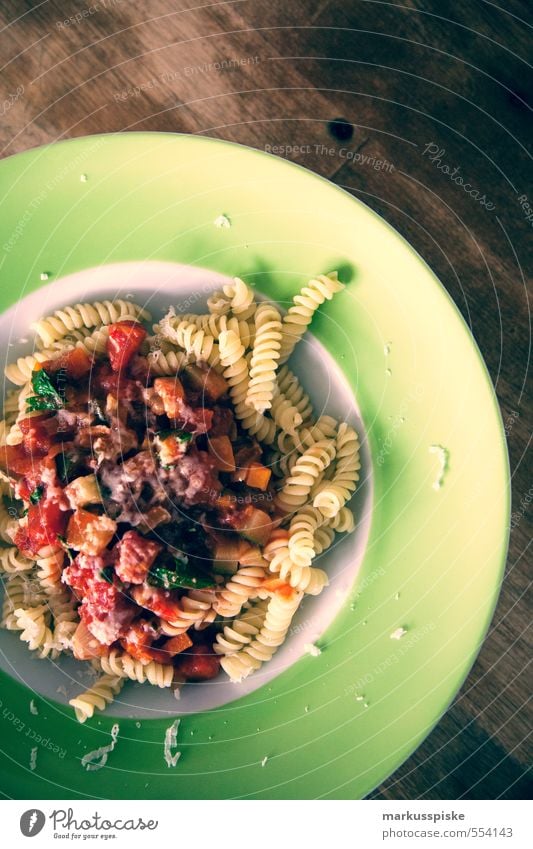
(221,450)
(258,476)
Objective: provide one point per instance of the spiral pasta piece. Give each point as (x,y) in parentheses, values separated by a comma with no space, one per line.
(97,697)
(304,306)
(342,522)
(241,299)
(334,496)
(302,533)
(235,371)
(11,560)
(245,584)
(121,664)
(62,322)
(324,428)
(218,303)
(49,564)
(8,517)
(197,609)
(281,463)
(305,472)
(15,597)
(324,537)
(290,387)
(170,363)
(265,356)
(285,413)
(33,623)
(241,631)
(20,371)
(214,325)
(200,345)
(279,615)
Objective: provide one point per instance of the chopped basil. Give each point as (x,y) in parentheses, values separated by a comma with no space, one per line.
(62,540)
(46,397)
(181,576)
(107,574)
(179,435)
(65,466)
(37,494)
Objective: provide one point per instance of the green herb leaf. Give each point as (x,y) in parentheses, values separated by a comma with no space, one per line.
(182,576)
(63,541)
(37,494)
(42,402)
(179,435)
(107,574)
(65,465)
(46,397)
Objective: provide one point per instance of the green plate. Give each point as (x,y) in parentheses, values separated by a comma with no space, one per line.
(336,725)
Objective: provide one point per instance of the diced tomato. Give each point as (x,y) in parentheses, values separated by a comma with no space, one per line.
(125,339)
(83,572)
(15,462)
(106,381)
(137,641)
(45,522)
(74,363)
(136,555)
(36,440)
(163,603)
(198,664)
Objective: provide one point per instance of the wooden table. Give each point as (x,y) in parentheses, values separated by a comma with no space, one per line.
(415,86)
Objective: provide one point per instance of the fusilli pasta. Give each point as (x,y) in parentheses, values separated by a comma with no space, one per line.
(305,304)
(265,354)
(65,320)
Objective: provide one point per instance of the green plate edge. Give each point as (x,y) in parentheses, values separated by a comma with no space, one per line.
(155,196)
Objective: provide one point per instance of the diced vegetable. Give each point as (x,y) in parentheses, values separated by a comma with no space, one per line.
(89,533)
(208,383)
(227,554)
(82,491)
(163,603)
(171,445)
(177,644)
(66,466)
(254,525)
(124,340)
(198,664)
(279,587)
(180,576)
(73,364)
(172,394)
(258,476)
(221,451)
(45,522)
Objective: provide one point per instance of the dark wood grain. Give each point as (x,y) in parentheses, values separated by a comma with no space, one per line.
(404,75)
